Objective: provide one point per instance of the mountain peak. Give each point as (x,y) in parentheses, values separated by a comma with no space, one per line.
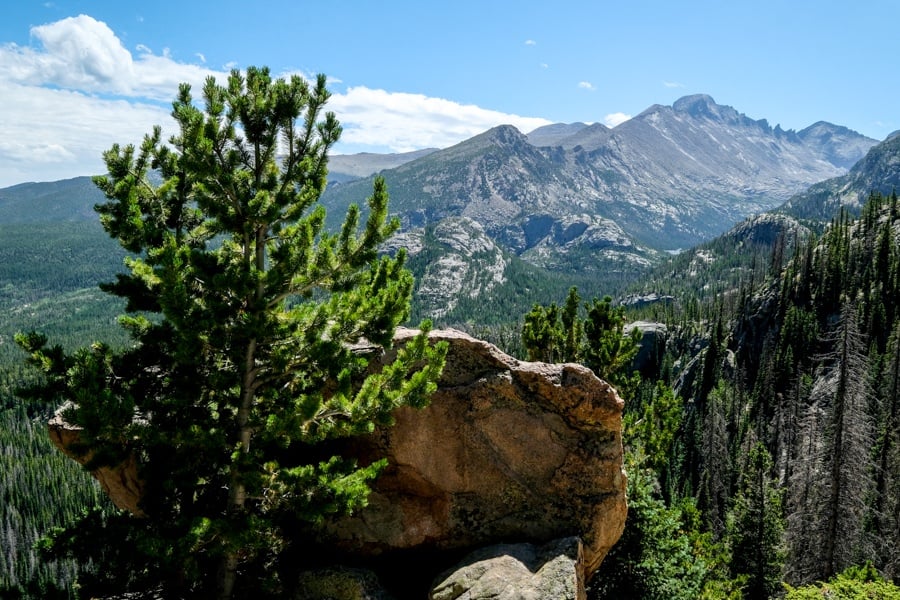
(503,135)
(552,135)
(697,105)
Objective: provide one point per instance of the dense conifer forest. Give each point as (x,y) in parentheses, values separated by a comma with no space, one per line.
(782,464)
(49,276)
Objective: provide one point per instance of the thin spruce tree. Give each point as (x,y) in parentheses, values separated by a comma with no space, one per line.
(756,527)
(246,317)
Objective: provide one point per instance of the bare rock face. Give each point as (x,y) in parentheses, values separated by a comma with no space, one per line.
(517,572)
(120,482)
(506,451)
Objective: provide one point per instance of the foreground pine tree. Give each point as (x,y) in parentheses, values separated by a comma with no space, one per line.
(243,311)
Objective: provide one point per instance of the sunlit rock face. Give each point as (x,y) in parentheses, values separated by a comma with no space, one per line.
(506,451)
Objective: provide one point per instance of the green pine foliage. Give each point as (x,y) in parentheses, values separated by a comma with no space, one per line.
(598,340)
(243,314)
(756,528)
(788,443)
(854,583)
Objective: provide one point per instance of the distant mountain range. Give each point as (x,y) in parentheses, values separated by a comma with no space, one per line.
(668,178)
(347,167)
(503,215)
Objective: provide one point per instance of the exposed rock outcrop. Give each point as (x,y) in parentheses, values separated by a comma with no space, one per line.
(652,346)
(120,482)
(506,451)
(517,572)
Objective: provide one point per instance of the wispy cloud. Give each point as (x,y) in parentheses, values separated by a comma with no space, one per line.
(530,43)
(673,84)
(613,119)
(41,142)
(110,95)
(586,85)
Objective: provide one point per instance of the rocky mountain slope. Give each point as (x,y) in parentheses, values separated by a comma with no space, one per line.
(878,171)
(347,167)
(669,178)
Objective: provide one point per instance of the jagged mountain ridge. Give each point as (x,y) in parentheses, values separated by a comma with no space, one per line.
(541,204)
(669,178)
(728,262)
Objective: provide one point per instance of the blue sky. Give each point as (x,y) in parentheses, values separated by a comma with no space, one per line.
(77,76)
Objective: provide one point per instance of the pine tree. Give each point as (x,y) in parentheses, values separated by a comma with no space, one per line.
(755,528)
(244,313)
(572,327)
(608,349)
(886,505)
(542,336)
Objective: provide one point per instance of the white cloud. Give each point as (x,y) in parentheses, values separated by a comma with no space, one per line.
(673,84)
(49,134)
(70,97)
(586,85)
(81,53)
(530,43)
(613,119)
(400,122)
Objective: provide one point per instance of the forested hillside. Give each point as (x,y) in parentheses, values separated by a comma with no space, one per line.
(767,452)
(788,445)
(48,276)
(820,371)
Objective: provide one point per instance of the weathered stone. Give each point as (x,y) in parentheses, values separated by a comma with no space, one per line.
(652,345)
(339,584)
(517,572)
(120,482)
(507,450)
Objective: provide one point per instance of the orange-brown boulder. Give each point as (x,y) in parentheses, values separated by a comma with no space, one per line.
(119,482)
(507,451)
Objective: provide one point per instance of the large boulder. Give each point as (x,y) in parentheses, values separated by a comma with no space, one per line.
(516,572)
(506,451)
